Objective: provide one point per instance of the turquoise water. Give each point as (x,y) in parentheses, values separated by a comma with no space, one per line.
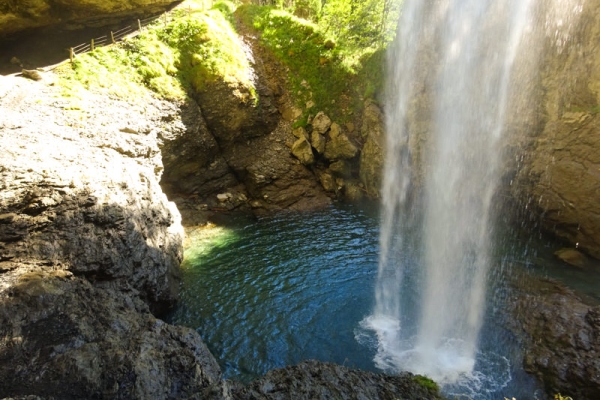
(275,291)
(269,293)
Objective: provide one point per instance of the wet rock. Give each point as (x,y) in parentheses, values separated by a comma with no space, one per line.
(562,338)
(572,257)
(316,380)
(372,154)
(557,129)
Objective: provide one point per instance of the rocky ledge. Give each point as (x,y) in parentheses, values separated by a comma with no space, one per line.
(561,333)
(90,248)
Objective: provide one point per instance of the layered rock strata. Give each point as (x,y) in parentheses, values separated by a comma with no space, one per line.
(89,247)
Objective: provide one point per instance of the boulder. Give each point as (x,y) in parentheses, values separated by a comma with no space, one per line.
(341,168)
(339,146)
(66,338)
(321,122)
(318,142)
(303,151)
(572,257)
(327,181)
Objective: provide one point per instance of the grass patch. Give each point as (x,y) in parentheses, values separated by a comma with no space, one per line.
(195,47)
(322,70)
(427,383)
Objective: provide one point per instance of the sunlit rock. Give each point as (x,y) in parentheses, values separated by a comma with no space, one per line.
(321,122)
(20,15)
(303,151)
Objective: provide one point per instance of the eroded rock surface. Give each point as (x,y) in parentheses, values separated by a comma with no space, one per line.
(559,175)
(315,380)
(562,335)
(63,337)
(89,247)
(79,190)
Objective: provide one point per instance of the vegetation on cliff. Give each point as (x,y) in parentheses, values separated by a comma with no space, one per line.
(333,61)
(194,47)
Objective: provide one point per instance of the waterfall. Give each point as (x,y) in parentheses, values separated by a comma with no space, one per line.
(449,76)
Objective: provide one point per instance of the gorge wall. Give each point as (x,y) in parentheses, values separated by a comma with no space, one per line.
(16,16)
(90,249)
(559,151)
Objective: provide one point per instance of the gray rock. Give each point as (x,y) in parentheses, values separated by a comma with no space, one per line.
(561,337)
(317,380)
(69,339)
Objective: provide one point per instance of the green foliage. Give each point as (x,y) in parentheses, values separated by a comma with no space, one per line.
(192,49)
(322,70)
(427,383)
(559,397)
(363,23)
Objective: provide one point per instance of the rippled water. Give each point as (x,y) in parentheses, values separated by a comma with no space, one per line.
(275,291)
(281,290)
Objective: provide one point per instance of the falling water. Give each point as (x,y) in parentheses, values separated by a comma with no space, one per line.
(450,74)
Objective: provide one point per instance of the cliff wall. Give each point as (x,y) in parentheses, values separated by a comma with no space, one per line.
(17,16)
(556,125)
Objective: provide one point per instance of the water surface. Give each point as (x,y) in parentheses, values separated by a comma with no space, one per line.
(273,292)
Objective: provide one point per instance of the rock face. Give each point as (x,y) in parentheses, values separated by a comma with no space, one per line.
(245,147)
(372,154)
(82,194)
(89,246)
(563,338)
(21,15)
(559,175)
(314,380)
(62,337)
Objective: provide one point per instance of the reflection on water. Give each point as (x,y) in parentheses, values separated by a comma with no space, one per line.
(269,293)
